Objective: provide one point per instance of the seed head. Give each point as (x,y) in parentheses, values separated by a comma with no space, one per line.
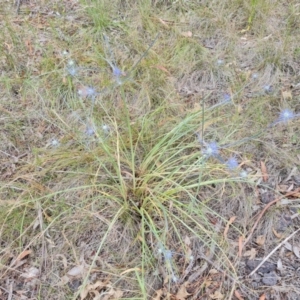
(244,174)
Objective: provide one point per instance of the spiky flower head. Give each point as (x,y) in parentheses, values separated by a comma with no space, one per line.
(90,131)
(232,163)
(211,149)
(227,98)
(168,254)
(286,115)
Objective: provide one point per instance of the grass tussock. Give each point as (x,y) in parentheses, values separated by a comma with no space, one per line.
(134,139)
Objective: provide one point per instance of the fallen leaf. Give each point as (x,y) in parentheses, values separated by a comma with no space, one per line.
(251,253)
(262,297)
(63,280)
(264,171)
(278,235)
(92,288)
(231,220)
(76,271)
(283,188)
(187,240)
(213,271)
(162,69)
(260,240)
(217,296)
(31,273)
(238,295)
(286,95)
(296,251)
(241,244)
(187,34)
(112,294)
(279,265)
(159,293)
(182,294)
(207,282)
(288,246)
(20,257)
(24,254)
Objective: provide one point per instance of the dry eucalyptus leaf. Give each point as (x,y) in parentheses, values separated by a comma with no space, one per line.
(238,295)
(279,265)
(251,253)
(287,95)
(182,294)
(241,243)
(112,295)
(260,240)
(262,297)
(187,241)
(264,171)
(20,257)
(231,220)
(92,288)
(216,296)
(63,280)
(76,271)
(187,34)
(288,246)
(31,273)
(296,251)
(159,293)
(278,235)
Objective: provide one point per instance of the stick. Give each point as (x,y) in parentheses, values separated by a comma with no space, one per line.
(271,253)
(264,210)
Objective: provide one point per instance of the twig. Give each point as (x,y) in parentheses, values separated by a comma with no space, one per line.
(264,210)
(271,253)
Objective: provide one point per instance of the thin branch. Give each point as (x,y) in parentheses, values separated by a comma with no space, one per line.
(271,253)
(264,210)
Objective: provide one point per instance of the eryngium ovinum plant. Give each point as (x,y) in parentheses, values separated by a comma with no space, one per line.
(151,175)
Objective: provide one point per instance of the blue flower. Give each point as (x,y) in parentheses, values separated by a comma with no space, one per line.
(286,115)
(116,71)
(232,163)
(211,149)
(168,254)
(89,131)
(227,98)
(55,143)
(87,92)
